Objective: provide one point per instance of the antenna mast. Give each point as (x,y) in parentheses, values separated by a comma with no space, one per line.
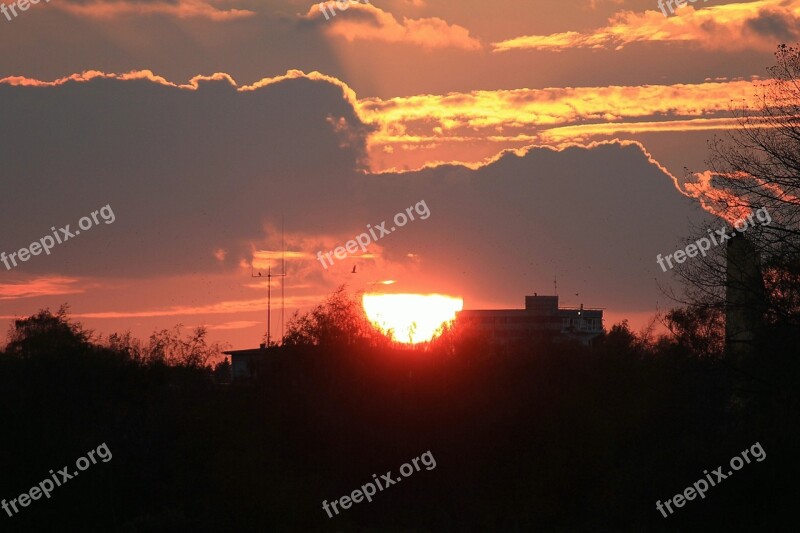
(283,269)
(270,275)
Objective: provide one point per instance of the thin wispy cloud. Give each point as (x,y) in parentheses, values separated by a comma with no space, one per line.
(182,9)
(223,307)
(740,26)
(238,324)
(46,286)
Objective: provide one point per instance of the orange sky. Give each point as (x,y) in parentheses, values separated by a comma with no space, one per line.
(548,138)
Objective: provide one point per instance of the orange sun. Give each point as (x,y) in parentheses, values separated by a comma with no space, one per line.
(412,318)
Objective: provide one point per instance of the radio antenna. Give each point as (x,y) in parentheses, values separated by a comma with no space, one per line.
(283,270)
(269,277)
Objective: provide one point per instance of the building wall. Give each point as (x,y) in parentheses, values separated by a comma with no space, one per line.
(540,316)
(240,367)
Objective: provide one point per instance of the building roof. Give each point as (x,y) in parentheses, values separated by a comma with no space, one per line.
(248,352)
(538,305)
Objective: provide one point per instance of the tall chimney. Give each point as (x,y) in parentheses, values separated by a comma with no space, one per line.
(745,298)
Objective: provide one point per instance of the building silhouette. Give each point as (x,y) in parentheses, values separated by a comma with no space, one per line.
(542,317)
(249,363)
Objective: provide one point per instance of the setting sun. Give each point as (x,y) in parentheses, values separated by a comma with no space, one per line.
(412,318)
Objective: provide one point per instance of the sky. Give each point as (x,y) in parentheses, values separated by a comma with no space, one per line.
(546,139)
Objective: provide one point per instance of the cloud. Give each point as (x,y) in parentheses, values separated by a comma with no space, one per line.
(189,169)
(584,132)
(756,25)
(594,4)
(223,307)
(237,324)
(51,286)
(539,212)
(431,128)
(196,168)
(715,199)
(429,124)
(90,75)
(369,23)
(182,9)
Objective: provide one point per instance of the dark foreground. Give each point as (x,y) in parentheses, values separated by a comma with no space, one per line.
(553,438)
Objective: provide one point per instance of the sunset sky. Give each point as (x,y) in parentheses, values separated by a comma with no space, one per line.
(548,138)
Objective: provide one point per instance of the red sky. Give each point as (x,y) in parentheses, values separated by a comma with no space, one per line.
(547,138)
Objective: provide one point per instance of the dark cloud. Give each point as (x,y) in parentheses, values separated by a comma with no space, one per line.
(185,171)
(595,218)
(188,172)
(778,25)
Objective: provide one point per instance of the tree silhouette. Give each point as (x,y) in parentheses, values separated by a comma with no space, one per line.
(339,320)
(698,329)
(46,335)
(757,167)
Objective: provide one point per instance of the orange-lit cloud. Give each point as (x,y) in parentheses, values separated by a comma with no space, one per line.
(514,118)
(39,287)
(517,115)
(594,4)
(701,186)
(89,75)
(184,9)
(756,25)
(471,128)
(301,251)
(237,324)
(585,131)
(717,199)
(262,258)
(369,23)
(553,106)
(224,307)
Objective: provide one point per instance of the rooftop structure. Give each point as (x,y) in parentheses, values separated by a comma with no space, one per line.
(541,316)
(246,364)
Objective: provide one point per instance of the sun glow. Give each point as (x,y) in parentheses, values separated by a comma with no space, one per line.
(412,318)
